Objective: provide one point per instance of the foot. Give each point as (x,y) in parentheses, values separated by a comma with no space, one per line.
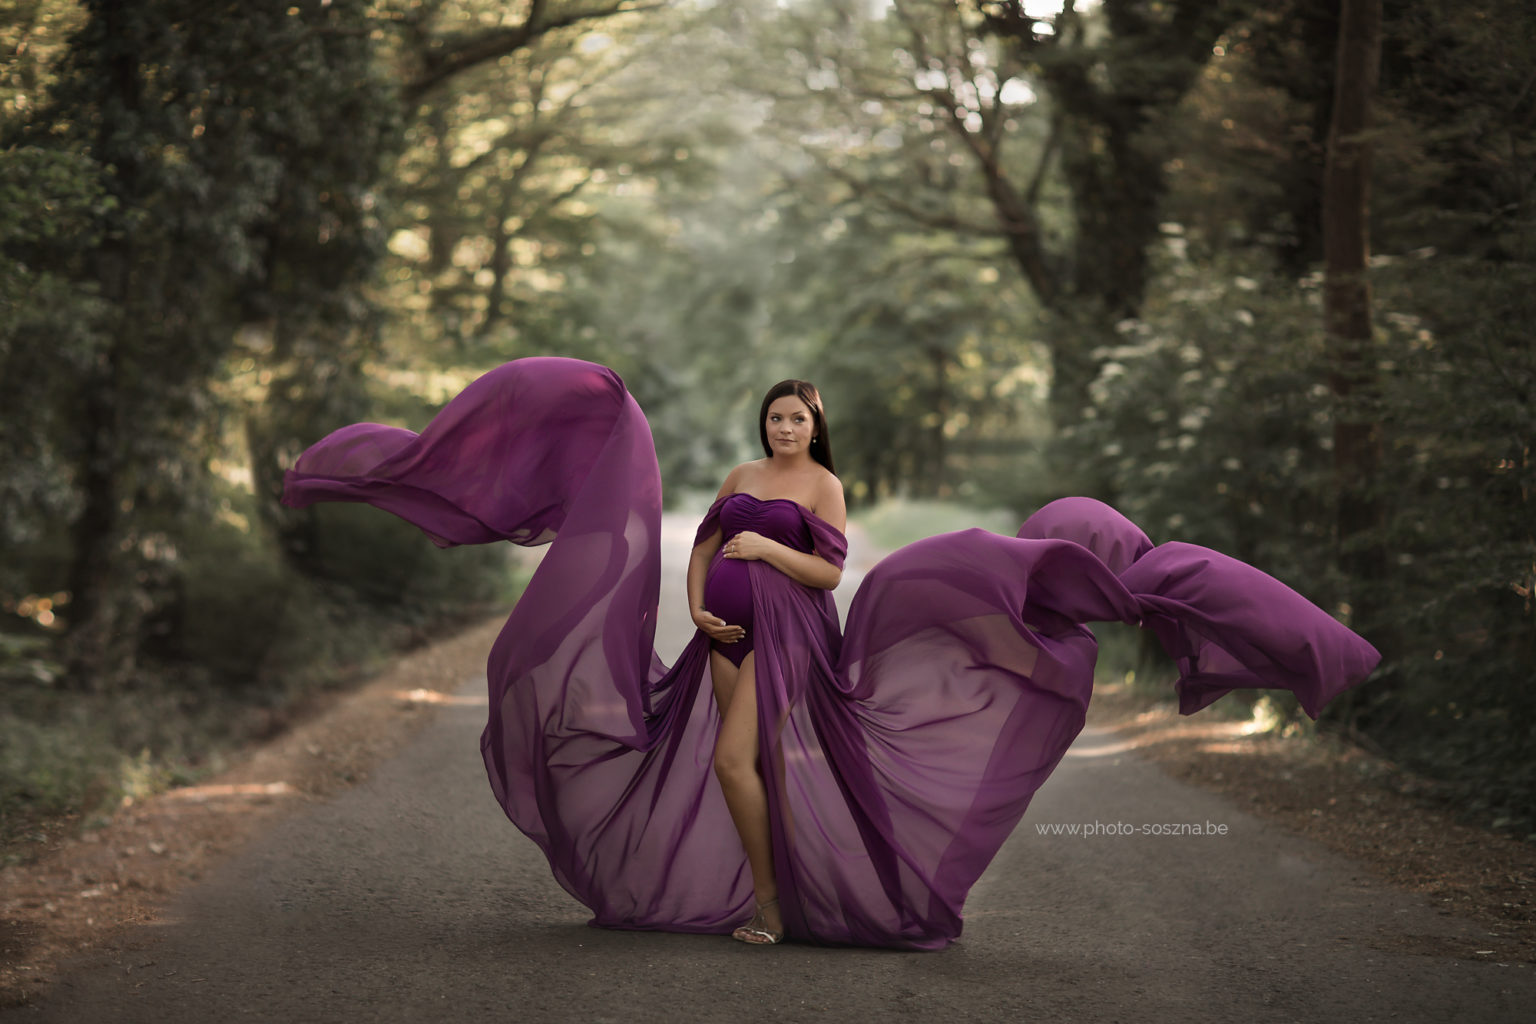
(765,928)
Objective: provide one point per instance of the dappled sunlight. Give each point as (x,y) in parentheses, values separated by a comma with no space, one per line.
(227,515)
(232,790)
(1226,747)
(438,698)
(1154,727)
(435,385)
(234,472)
(40,608)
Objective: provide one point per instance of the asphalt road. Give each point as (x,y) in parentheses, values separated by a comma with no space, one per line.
(410,898)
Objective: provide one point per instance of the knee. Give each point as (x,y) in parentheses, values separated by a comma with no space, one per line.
(733,765)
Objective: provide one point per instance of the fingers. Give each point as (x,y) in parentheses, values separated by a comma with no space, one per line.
(725,634)
(743,545)
(718,629)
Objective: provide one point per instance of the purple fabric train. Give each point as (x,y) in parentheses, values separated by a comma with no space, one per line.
(897,757)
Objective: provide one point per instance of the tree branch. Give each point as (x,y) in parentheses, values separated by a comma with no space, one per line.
(546,207)
(1047,154)
(927,218)
(493,45)
(1016,214)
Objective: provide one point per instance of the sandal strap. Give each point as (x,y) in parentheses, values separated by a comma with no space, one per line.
(759,931)
(765,937)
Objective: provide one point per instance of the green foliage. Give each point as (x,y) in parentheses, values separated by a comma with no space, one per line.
(33,33)
(1458,402)
(1212,423)
(50,768)
(248,637)
(246,621)
(1460,405)
(497,180)
(180,178)
(50,204)
(388,563)
(1214,427)
(190,217)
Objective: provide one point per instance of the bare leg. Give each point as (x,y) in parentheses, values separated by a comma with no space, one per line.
(737,768)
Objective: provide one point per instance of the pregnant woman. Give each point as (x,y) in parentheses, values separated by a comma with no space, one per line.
(761,511)
(827,788)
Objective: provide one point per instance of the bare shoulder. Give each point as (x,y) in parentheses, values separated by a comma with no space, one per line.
(740,478)
(830,502)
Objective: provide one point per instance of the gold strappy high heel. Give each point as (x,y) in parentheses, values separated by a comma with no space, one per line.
(755,932)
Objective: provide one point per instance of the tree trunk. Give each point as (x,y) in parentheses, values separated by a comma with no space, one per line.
(1298,256)
(1347,301)
(937,483)
(442,230)
(1073,368)
(100,644)
(95,640)
(1118,184)
(1111,98)
(501,264)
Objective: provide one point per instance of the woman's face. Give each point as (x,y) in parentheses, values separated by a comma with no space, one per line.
(790,425)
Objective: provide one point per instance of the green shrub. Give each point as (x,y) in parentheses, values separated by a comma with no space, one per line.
(53,768)
(1213,423)
(239,635)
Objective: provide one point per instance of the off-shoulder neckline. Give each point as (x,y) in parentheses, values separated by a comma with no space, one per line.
(764,501)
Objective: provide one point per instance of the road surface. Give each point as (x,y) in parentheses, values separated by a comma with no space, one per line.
(410,898)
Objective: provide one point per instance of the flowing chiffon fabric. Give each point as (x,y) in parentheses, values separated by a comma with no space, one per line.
(897,757)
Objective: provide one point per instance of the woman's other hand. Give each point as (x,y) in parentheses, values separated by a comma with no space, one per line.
(716,628)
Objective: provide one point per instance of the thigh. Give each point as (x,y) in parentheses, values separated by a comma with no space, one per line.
(738,729)
(723,674)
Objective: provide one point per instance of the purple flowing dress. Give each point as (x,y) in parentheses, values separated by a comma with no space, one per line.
(897,757)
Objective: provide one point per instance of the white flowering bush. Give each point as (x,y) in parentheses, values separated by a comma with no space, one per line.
(1209,423)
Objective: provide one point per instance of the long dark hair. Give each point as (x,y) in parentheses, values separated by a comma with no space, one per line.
(821,437)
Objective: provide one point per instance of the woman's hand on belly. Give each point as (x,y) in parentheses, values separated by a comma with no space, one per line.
(748,546)
(803,567)
(716,628)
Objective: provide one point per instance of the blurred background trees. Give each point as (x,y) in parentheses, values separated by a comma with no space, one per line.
(1025,248)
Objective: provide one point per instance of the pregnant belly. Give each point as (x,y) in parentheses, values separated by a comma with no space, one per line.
(728,593)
